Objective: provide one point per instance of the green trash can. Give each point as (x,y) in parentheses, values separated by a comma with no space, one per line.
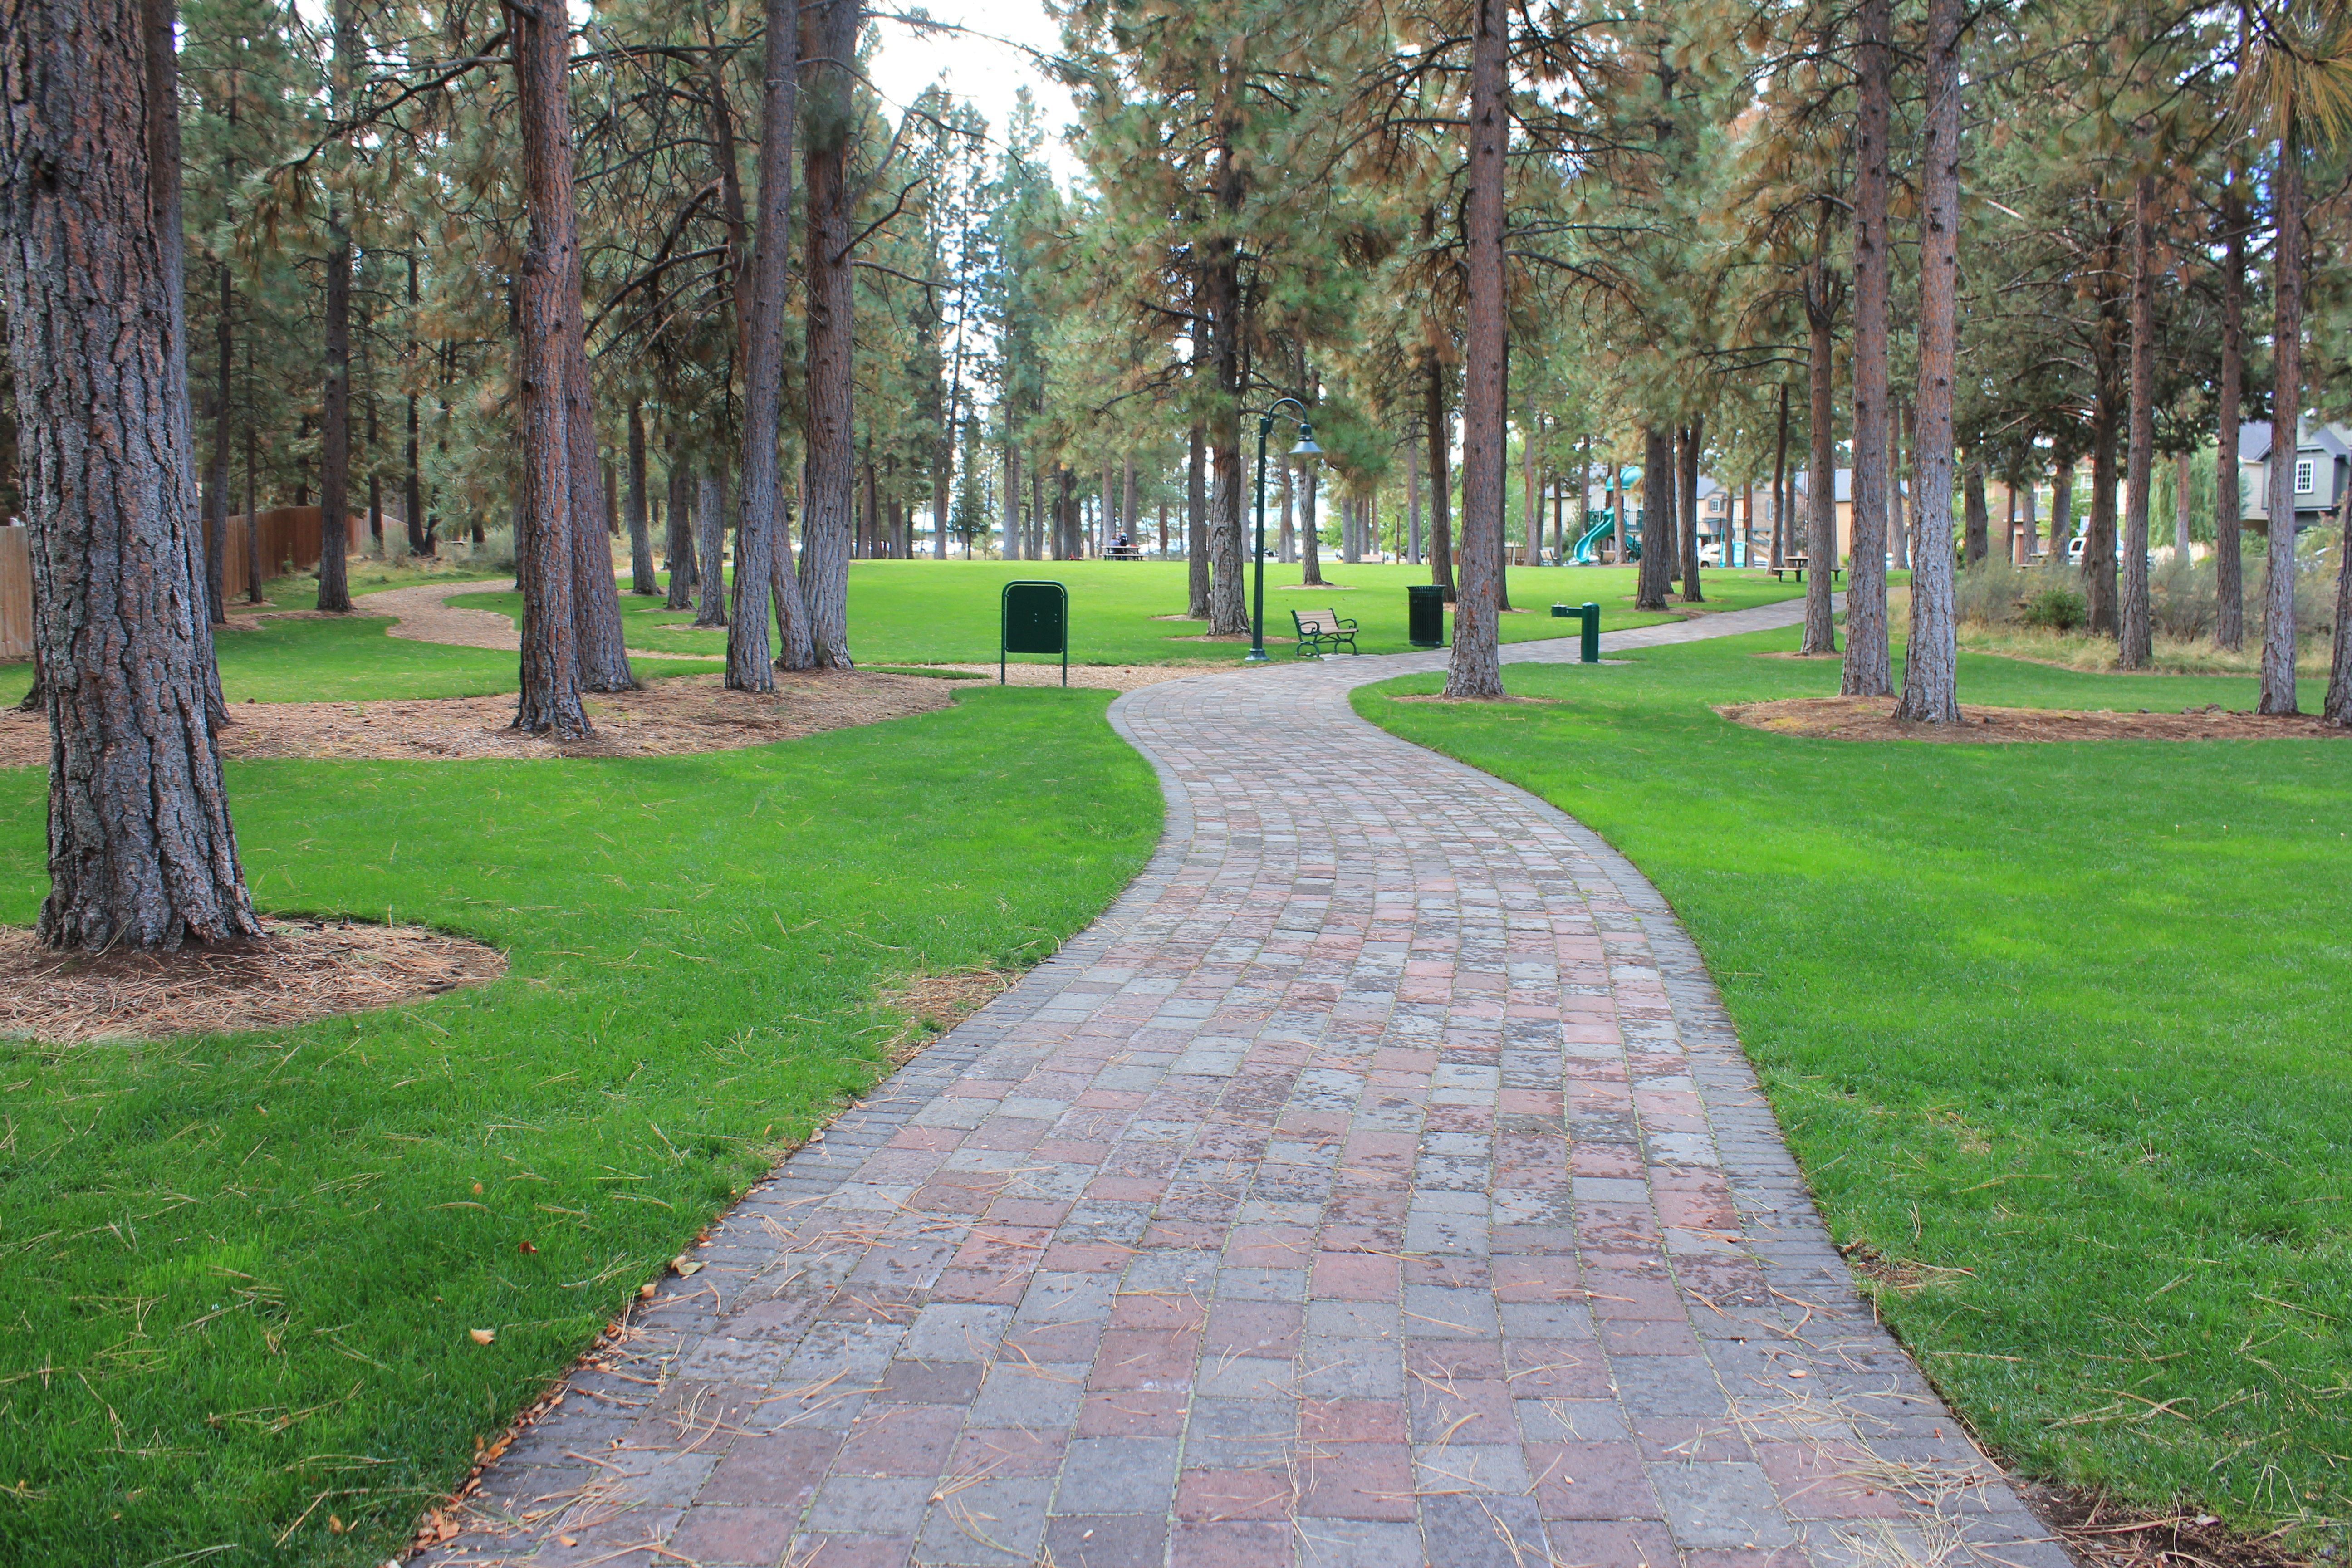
(1425,604)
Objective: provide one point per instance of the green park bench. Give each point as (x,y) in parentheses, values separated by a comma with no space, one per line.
(1323,631)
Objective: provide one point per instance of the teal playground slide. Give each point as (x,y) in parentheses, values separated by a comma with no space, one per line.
(1605,518)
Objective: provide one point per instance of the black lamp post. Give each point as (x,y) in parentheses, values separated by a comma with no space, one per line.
(1305,449)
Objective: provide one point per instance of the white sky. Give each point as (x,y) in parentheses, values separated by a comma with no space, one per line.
(985,73)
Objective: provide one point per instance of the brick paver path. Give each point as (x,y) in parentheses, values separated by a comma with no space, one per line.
(1379,1181)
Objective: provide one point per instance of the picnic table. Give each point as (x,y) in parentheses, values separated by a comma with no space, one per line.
(1797,564)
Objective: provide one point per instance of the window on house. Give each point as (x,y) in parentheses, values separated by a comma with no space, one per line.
(2303,476)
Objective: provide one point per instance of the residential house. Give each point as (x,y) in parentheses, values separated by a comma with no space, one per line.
(1842,499)
(2322,470)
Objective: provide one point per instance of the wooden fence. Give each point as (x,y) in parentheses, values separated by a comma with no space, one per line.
(289,542)
(16,592)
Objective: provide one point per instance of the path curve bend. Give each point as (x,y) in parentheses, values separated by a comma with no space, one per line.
(1379,1181)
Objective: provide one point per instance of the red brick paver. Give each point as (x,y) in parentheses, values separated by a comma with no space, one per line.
(1379,1181)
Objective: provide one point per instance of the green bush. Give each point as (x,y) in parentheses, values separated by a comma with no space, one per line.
(2056,609)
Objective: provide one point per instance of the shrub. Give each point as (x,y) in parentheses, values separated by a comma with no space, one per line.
(2055,608)
(1988,593)
(497,550)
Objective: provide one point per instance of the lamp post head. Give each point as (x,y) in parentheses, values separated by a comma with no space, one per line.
(1306,447)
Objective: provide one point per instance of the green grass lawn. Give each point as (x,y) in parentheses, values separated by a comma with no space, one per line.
(946,611)
(346,661)
(2065,1022)
(241,1272)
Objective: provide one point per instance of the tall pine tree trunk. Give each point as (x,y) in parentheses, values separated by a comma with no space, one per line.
(1655,578)
(1441,481)
(2229,567)
(217,481)
(335,401)
(2099,530)
(710,568)
(829,44)
(641,543)
(1931,655)
(1310,532)
(1011,511)
(1976,516)
(140,849)
(1867,672)
(1196,524)
(678,550)
(411,491)
(2337,707)
(1779,481)
(1686,494)
(2287,422)
(604,650)
(549,701)
(1821,482)
(1412,498)
(2139,465)
(1474,667)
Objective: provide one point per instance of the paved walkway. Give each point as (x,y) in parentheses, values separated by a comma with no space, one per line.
(1379,1181)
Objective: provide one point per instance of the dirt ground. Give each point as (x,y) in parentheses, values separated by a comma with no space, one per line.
(1873,718)
(671,716)
(306,970)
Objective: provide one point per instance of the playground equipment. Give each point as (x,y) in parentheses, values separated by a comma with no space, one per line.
(1605,520)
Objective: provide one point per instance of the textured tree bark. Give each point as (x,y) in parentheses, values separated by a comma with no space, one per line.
(2181,479)
(1310,533)
(641,543)
(601,643)
(1976,517)
(1866,671)
(412,491)
(252,492)
(335,400)
(1820,484)
(2337,707)
(1441,482)
(217,481)
(2286,421)
(1503,442)
(1780,478)
(1287,505)
(549,701)
(2229,541)
(1474,668)
(1412,500)
(1010,526)
(140,849)
(2135,652)
(1655,578)
(2061,509)
(1900,497)
(677,553)
(1228,614)
(828,50)
(1686,494)
(2099,529)
(710,569)
(1196,525)
(1931,654)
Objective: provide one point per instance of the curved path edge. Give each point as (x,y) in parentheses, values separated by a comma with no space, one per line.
(1380,1180)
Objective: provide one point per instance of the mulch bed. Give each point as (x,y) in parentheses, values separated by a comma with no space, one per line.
(675,716)
(305,970)
(1873,718)
(2103,1535)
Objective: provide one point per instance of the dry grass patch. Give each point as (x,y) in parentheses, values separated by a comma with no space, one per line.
(306,970)
(1873,718)
(934,1003)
